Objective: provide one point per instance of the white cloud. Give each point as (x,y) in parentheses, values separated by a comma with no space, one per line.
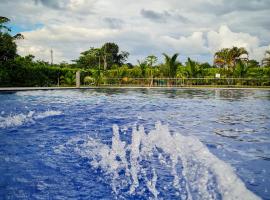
(68,41)
(225,38)
(190,45)
(191,28)
(258,53)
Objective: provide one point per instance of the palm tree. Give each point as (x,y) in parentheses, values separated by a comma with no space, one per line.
(193,69)
(239,54)
(171,64)
(266,60)
(151,60)
(241,69)
(68,79)
(142,65)
(228,57)
(220,57)
(98,77)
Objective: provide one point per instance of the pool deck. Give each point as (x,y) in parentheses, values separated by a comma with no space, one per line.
(14,89)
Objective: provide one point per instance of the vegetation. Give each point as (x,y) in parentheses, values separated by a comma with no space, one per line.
(107,64)
(193,69)
(105,57)
(228,58)
(170,66)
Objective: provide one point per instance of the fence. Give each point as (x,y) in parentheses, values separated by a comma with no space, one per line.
(181,82)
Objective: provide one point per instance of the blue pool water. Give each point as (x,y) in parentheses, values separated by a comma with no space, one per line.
(135,144)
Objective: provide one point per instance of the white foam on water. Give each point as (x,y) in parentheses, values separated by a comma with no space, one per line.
(201,176)
(47,114)
(20,119)
(43,93)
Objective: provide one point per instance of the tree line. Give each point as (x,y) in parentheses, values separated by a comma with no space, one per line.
(107,62)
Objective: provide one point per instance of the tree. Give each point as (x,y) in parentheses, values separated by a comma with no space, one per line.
(3,21)
(143,66)
(108,54)
(151,60)
(122,58)
(68,79)
(88,80)
(30,58)
(205,65)
(90,58)
(64,64)
(171,65)
(97,53)
(6,29)
(228,57)
(192,69)
(98,77)
(253,63)
(241,69)
(8,47)
(266,59)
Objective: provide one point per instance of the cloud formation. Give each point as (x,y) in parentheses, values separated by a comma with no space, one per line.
(49,3)
(163,16)
(195,28)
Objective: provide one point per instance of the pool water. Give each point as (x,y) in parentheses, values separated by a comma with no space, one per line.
(135,144)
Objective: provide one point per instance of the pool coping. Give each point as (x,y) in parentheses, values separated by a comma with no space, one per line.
(14,89)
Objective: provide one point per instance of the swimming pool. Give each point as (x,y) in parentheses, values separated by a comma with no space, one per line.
(135,144)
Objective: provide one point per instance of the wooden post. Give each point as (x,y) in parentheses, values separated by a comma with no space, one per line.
(78,79)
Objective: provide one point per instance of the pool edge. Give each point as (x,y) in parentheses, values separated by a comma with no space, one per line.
(14,89)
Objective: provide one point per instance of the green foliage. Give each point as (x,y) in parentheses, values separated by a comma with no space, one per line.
(90,59)
(8,47)
(115,66)
(170,66)
(241,69)
(68,79)
(88,80)
(205,65)
(23,71)
(143,66)
(122,71)
(110,55)
(211,72)
(3,21)
(260,72)
(151,60)
(106,57)
(253,63)
(192,69)
(228,57)
(98,77)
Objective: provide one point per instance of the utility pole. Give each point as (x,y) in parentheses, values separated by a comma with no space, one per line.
(51,57)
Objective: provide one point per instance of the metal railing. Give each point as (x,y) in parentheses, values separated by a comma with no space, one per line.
(182,82)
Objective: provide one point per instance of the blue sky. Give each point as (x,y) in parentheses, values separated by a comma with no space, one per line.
(17,28)
(194,28)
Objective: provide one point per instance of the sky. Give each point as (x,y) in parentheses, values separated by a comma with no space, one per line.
(192,28)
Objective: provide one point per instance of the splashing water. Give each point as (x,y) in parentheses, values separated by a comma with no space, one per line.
(20,119)
(160,163)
